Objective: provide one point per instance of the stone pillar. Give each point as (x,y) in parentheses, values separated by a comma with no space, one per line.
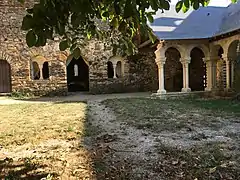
(123,68)
(160,64)
(228,71)
(31,70)
(232,73)
(185,66)
(114,69)
(210,72)
(214,73)
(41,71)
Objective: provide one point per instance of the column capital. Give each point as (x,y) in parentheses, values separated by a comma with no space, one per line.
(214,58)
(114,63)
(160,61)
(40,66)
(185,60)
(207,59)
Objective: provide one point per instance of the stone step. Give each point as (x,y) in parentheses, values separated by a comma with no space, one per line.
(179,95)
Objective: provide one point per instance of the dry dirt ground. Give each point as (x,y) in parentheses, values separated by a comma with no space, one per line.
(43,141)
(128,138)
(152,139)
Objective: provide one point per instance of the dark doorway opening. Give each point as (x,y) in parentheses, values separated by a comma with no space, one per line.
(197,71)
(5,77)
(77,75)
(45,70)
(110,69)
(173,71)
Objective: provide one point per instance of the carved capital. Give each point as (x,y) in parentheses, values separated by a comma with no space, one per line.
(185,60)
(207,59)
(160,61)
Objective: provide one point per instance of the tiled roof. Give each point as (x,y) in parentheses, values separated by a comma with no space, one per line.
(231,19)
(203,23)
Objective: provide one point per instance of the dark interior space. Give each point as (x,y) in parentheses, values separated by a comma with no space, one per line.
(197,71)
(173,71)
(77,75)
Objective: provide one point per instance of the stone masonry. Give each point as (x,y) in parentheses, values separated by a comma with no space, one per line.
(140,71)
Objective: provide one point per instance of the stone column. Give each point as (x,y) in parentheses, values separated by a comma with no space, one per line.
(214,72)
(31,70)
(185,66)
(160,64)
(209,68)
(232,73)
(228,86)
(114,69)
(41,71)
(123,68)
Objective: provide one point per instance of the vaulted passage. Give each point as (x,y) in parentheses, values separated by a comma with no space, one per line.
(5,77)
(77,75)
(197,71)
(173,71)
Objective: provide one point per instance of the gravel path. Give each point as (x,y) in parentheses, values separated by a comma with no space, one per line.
(130,144)
(76,97)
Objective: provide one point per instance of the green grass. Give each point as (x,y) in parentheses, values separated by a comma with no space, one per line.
(227,106)
(184,121)
(173,115)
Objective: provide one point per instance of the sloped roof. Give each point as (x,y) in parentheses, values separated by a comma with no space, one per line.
(203,23)
(230,20)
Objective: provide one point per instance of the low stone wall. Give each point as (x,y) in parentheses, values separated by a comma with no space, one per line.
(121,85)
(42,88)
(104,86)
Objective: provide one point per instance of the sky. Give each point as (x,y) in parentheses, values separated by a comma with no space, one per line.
(222,3)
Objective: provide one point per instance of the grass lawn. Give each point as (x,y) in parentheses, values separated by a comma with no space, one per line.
(174,115)
(134,138)
(196,139)
(40,140)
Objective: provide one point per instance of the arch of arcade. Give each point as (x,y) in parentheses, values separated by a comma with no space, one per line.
(195,65)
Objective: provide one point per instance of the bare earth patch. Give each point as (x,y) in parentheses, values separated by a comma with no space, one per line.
(43,140)
(143,138)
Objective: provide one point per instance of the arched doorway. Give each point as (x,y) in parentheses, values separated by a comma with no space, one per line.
(173,72)
(5,77)
(77,75)
(197,71)
(234,65)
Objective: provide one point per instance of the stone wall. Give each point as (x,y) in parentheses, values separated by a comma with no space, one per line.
(13,48)
(140,74)
(143,71)
(140,70)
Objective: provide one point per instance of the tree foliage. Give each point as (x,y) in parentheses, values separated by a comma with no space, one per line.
(75,21)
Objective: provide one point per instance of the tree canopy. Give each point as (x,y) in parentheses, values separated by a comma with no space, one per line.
(75,21)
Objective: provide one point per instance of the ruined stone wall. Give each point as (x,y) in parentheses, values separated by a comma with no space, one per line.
(143,71)
(13,48)
(140,70)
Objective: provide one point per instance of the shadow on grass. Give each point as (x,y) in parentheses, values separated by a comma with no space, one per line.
(24,169)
